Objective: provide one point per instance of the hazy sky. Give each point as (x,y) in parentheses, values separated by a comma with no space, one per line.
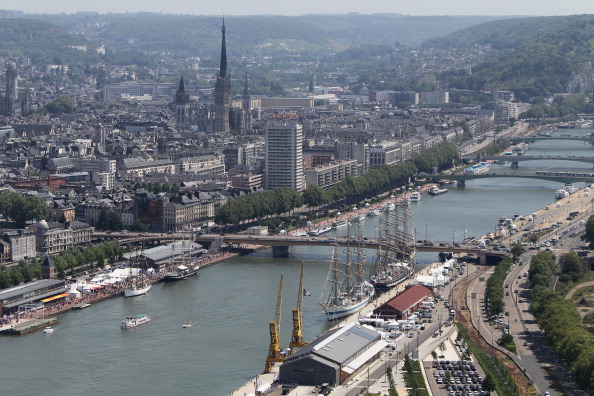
(283,7)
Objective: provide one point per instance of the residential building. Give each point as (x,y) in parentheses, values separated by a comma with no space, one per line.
(284,156)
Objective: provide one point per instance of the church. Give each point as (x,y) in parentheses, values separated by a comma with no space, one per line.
(221,117)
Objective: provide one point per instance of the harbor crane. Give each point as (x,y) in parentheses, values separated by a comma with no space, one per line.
(297,339)
(274,351)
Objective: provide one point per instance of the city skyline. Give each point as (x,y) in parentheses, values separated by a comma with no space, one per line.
(266,7)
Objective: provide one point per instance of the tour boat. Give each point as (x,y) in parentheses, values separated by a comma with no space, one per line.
(415,196)
(436,190)
(135,320)
(48,330)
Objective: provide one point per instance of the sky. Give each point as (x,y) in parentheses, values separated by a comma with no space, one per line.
(283,7)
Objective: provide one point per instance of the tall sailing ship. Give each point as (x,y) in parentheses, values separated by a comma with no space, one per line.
(395,258)
(184,264)
(346,291)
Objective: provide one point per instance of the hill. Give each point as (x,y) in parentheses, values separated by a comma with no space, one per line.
(187,35)
(541,55)
(40,40)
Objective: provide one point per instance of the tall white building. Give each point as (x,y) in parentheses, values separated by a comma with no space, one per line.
(284,157)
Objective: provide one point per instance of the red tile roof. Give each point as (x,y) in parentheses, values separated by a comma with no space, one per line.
(409,297)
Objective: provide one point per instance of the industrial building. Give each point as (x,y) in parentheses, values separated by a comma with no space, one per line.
(405,303)
(333,357)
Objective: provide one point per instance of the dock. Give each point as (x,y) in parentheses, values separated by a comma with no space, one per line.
(29,325)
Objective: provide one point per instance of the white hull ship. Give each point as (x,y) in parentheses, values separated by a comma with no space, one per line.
(137,290)
(396,255)
(339,224)
(135,320)
(436,190)
(415,196)
(347,291)
(320,230)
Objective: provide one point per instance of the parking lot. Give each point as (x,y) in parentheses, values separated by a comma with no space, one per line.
(455,378)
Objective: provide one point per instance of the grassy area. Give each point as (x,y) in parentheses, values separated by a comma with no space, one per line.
(413,377)
(504,382)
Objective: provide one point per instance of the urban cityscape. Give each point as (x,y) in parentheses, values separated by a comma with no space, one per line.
(190,162)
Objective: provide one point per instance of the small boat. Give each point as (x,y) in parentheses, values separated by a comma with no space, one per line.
(320,230)
(389,207)
(135,320)
(187,325)
(415,196)
(48,330)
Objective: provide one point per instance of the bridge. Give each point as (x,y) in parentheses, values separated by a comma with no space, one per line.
(461,178)
(531,139)
(281,243)
(520,158)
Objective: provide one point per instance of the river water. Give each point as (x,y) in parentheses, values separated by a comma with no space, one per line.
(232,303)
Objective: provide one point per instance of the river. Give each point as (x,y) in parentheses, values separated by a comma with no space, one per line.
(232,303)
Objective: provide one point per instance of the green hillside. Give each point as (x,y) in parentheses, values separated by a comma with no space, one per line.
(190,35)
(42,41)
(554,55)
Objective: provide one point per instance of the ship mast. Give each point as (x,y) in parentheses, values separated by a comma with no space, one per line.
(297,339)
(274,351)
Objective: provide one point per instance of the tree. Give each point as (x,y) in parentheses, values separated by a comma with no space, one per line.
(62,104)
(589,233)
(103,220)
(571,264)
(518,250)
(138,226)
(488,383)
(114,221)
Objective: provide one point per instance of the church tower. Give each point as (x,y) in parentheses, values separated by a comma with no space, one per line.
(182,106)
(11,93)
(245,105)
(222,92)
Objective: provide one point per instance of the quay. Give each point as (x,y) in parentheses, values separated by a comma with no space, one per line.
(29,325)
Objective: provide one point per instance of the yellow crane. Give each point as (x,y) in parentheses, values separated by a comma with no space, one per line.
(297,339)
(274,352)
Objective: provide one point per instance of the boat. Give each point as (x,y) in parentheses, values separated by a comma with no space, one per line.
(359,218)
(300,234)
(184,266)
(320,230)
(48,330)
(375,212)
(346,291)
(561,193)
(187,325)
(139,287)
(388,207)
(135,320)
(404,201)
(478,169)
(570,188)
(340,224)
(395,258)
(436,190)
(415,196)
(520,148)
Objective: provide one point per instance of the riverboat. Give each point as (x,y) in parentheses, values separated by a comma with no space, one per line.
(520,148)
(375,212)
(478,169)
(436,190)
(359,218)
(135,320)
(340,224)
(320,230)
(415,196)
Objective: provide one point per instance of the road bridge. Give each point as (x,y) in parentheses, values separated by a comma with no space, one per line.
(521,158)
(281,243)
(461,178)
(531,139)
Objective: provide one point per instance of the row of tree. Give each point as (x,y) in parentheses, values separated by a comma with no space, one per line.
(561,322)
(495,291)
(439,157)
(72,260)
(349,190)
(19,209)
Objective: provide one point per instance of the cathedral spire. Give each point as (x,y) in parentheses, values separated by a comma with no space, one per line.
(181,87)
(223,66)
